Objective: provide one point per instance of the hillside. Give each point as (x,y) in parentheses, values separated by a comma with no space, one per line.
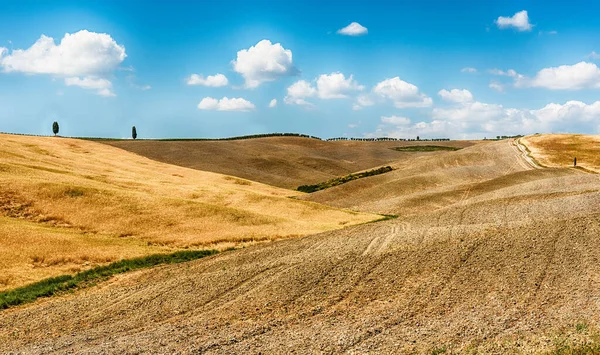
(67,204)
(286,162)
(559,150)
(501,258)
(432,181)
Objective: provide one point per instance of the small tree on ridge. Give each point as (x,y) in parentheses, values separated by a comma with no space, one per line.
(55,128)
(133,132)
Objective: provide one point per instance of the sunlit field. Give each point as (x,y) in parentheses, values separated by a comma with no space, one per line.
(70,204)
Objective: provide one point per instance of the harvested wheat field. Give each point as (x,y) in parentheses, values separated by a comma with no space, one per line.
(559,150)
(67,204)
(286,162)
(501,257)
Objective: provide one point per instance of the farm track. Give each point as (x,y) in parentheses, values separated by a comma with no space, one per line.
(499,257)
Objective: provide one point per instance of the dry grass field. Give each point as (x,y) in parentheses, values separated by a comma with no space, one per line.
(559,150)
(286,162)
(489,255)
(69,204)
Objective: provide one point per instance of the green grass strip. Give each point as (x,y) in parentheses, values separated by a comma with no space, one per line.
(342,180)
(51,286)
(424,148)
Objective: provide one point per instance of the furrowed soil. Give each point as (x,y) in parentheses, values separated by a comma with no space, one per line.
(489,255)
(67,205)
(286,162)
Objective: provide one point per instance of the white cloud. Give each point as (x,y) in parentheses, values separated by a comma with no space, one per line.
(548,33)
(395,120)
(592,55)
(475,120)
(264,62)
(79,54)
(211,80)
(353,29)
(456,95)
(565,77)
(496,86)
(225,104)
(362,101)
(468,70)
(273,103)
(328,86)
(298,92)
(352,125)
(510,72)
(403,94)
(520,21)
(336,86)
(103,86)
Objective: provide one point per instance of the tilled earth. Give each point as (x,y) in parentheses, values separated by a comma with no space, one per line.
(512,265)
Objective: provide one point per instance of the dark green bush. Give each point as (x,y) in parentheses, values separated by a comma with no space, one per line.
(343,180)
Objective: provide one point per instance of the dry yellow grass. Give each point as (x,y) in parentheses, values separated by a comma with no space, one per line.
(559,150)
(83,202)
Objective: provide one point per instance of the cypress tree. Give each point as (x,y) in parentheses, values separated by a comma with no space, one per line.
(133,132)
(55,128)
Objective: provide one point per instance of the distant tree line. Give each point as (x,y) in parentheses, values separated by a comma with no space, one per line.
(502,137)
(387,139)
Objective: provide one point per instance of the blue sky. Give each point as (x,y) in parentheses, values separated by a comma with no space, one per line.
(402,70)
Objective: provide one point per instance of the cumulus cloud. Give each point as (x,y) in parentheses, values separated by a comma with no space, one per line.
(401,93)
(336,86)
(477,120)
(264,62)
(328,86)
(79,54)
(468,70)
(456,95)
(353,29)
(84,58)
(211,80)
(102,86)
(582,75)
(395,120)
(273,103)
(298,92)
(363,101)
(519,21)
(225,104)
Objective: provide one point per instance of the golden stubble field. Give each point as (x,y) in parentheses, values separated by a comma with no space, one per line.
(66,205)
(559,150)
(488,256)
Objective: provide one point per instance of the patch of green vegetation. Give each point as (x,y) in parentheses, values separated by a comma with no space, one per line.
(582,349)
(437,351)
(342,180)
(55,285)
(424,148)
(72,192)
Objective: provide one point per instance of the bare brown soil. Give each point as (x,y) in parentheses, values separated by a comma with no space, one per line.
(279,161)
(500,258)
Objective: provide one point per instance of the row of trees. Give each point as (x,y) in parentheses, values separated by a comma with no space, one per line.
(56,128)
(387,139)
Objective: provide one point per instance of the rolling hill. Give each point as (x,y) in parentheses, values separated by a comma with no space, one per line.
(68,204)
(286,162)
(501,257)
